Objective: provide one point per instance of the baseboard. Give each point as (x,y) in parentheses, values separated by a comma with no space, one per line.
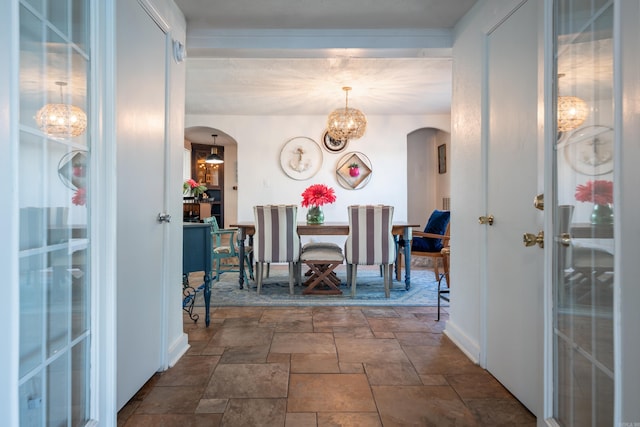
(178,349)
(467,345)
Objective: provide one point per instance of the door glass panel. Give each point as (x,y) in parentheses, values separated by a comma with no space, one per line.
(54,175)
(583,214)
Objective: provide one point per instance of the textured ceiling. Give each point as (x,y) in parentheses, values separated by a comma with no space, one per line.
(282,57)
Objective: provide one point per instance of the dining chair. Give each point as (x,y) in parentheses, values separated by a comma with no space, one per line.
(224,248)
(276,239)
(370,242)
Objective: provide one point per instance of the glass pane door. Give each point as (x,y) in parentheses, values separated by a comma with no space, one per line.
(54,211)
(584,213)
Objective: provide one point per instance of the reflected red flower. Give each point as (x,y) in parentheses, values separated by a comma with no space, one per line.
(80,197)
(599,192)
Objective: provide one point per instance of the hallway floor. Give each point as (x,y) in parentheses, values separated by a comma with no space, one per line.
(323,366)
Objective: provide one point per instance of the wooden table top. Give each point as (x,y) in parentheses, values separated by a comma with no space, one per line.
(326,229)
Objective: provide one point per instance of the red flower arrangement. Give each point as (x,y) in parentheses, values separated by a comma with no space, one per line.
(79,197)
(599,192)
(318,195)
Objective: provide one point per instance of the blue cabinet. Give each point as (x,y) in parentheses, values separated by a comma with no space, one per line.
(196,256)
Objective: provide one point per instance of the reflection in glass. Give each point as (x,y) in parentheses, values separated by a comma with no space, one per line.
(584,257)
(54,257)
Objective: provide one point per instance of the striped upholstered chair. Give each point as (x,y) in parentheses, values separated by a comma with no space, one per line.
(370,242)
(276,239)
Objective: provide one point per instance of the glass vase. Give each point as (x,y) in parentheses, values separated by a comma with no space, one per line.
(602,214)
(315,215)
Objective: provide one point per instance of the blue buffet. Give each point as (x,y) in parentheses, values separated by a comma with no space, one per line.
(196,256)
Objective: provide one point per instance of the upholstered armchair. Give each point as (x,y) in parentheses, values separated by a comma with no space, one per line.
(276,239)
(429,243)
(370,242)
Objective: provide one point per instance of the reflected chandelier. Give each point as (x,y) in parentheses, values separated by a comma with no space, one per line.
(346,123)
(572,112)
(61,120)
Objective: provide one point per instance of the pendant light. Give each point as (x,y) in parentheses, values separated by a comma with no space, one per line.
(214,158)
(346,123)
(61,120)
(571,111)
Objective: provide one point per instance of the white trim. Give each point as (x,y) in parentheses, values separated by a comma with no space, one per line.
(157,17)
(549,191)
(467,345)
(178,349)
(103,410)
(9,212)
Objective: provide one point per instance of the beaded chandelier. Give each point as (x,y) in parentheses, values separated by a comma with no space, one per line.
(61,120)
(572,112)
(346,123)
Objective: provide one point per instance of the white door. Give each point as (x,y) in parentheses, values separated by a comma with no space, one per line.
(141,172)
(514,272)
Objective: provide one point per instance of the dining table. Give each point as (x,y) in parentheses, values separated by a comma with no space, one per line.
(401,230)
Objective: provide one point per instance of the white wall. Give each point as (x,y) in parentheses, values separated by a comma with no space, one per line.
(261,180)
(468,196)
(425,186)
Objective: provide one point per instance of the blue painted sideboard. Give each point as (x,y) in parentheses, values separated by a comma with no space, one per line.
(196,256)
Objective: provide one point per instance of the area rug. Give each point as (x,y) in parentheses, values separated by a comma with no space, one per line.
(369,291)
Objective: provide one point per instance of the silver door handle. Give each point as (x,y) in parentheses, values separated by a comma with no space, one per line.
(164,217)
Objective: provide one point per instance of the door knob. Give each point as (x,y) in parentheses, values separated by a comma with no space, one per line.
(486,220)
(530,239)
(538,202)
(164,217)
(565,239)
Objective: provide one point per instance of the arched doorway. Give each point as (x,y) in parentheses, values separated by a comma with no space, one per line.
(203,135)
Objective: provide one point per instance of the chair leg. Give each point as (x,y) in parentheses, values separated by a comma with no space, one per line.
(259,266)
(399,266)
(292,274)
(249,267)
(388,279)
(354,273)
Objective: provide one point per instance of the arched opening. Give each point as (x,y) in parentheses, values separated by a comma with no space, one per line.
(428,178)
(202,136)
(428,173)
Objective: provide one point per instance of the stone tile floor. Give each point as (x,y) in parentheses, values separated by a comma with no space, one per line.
(323,366)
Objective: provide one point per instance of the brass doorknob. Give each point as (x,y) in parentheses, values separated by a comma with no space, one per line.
(565,239)
(538,202)
(530,239)
(486,220)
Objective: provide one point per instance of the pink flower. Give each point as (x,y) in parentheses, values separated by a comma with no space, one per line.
(318,195)
(599,192)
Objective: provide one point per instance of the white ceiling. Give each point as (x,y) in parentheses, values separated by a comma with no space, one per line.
(282,57)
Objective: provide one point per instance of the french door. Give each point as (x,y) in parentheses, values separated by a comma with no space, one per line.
(54,148)
(582,330)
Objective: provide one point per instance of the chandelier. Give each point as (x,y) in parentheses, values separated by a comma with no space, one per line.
(346,123)
(61,120)
(572,112)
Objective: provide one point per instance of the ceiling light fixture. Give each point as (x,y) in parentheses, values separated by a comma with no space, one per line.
(346,123)
(61,120)
(572,112)
(214,158)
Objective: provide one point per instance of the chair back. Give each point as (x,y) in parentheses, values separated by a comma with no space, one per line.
(276,236)
(213,222)
(370,240)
